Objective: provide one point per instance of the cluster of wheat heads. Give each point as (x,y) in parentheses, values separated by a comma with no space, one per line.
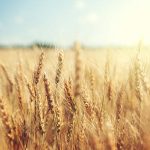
(81,111)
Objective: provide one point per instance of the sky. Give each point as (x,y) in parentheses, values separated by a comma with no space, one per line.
(92,22)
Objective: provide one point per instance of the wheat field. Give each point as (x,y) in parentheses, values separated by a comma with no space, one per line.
(75,99)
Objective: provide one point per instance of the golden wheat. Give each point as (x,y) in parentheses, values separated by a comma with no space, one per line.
(75,109)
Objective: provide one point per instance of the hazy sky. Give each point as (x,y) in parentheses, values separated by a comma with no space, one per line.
(93,22)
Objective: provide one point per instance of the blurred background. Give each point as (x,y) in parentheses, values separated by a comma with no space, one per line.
(94,23)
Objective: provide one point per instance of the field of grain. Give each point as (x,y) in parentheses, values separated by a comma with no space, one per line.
(75,99)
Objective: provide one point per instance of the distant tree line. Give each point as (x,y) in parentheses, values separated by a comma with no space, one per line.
(43,45)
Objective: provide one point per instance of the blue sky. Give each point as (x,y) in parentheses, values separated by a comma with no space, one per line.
(93,22)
